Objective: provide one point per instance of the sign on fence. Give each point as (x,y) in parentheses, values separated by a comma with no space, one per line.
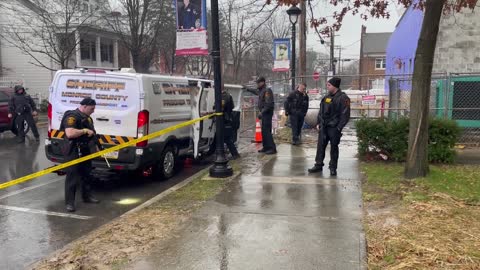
(313,92)
(369,100)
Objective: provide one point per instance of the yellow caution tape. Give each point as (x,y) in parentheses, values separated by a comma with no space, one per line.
(103,152)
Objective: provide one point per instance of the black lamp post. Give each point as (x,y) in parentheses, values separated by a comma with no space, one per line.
(293,14)
(220,168)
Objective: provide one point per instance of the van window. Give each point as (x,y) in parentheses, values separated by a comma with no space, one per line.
(110,93)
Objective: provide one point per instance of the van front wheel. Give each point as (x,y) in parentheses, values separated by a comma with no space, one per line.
(167,164)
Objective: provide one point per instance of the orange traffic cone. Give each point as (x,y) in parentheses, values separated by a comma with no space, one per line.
(258,132)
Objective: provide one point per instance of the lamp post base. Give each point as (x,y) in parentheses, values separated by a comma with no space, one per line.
(221,170)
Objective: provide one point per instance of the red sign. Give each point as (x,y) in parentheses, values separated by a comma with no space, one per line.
(313,92)
(369,100)
(316,76)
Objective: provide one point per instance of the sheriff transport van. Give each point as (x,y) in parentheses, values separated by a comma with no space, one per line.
(131,105)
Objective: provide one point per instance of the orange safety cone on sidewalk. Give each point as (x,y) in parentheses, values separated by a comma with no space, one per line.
(258,132)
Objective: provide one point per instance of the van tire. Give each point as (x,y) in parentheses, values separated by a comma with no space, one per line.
(168,163)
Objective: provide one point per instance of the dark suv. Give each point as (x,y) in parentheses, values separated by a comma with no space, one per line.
(5,122)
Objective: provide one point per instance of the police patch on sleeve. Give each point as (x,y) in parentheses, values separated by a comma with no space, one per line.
(71,121)
(347,102)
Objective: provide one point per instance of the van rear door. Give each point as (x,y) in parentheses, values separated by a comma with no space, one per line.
(118,102)
(203,131)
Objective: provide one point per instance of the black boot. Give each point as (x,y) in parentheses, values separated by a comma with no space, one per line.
(70,208)
(333,172)
(90,199)
(315,169)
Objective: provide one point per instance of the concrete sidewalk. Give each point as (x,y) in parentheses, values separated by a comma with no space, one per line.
(279,217)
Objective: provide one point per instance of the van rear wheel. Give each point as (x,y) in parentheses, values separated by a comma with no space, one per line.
(167,164)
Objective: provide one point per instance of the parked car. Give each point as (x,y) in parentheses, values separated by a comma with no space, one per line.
(5,122)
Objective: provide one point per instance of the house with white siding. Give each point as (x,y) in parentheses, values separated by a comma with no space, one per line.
(95,46)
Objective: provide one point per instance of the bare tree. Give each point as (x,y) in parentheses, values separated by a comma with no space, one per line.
(45,30)
(140,28)
(243,22)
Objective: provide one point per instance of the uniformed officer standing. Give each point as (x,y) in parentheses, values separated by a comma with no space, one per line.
(296,108)
(80,133)
(188,16)
(22,106)
(334,114)
(266,106)
(227,108)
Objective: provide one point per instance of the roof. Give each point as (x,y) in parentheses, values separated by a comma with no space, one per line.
(375,42)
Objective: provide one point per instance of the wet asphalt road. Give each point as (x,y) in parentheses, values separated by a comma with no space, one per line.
(33,222)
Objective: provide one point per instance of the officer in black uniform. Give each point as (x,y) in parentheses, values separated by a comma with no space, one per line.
(80,133)
(334,114)
(296,107)
(227,108)
(266,106)
(188,16)
(23,108)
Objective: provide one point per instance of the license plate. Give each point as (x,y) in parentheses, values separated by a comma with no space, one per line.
(112,155)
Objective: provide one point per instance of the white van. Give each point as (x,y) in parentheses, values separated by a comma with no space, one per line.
(129,106)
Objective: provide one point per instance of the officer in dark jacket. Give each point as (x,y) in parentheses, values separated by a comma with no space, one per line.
(266,106)
(333,116)
(227,108)
(80,132)
(296,107)
(189,16)
(22,107)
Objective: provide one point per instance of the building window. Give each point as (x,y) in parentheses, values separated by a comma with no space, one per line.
(107,52)
(87,50)
(380,63)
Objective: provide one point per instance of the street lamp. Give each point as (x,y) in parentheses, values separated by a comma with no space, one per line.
(293,14)
(220,168)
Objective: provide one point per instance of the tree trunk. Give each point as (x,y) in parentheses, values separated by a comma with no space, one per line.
(417,156)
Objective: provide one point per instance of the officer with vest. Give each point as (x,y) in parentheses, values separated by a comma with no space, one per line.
(80,133)
(23,108)
(266,107)
(227,108)
(334,114)
(296,107)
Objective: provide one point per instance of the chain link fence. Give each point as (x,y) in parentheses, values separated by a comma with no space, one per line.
(453,96)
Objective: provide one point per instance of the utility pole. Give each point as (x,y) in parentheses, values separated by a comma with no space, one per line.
(339,59)
(332,51)
(303,40)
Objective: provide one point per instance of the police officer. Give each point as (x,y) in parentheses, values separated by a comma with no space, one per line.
(80,132)
(334,114)
(266,106)
(23,108)
(296,107)
(189,16)
(227,108)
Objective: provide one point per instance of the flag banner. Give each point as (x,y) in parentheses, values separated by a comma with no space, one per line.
(191,27)
(281,54)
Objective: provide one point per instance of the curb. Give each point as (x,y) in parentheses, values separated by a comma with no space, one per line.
(134,210)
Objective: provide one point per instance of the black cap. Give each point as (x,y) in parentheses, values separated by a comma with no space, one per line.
(18,87)
(335,81)
(88,102)
(261,79)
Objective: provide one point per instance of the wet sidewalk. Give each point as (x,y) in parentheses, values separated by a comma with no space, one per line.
(278,217)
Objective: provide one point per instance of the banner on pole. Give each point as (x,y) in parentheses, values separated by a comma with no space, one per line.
(191,27)
(281,54)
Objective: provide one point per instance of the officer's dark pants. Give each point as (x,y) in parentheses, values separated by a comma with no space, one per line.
(31,123)
(229,140)
(326,135)
(267,137)
(77,175)
(296,121)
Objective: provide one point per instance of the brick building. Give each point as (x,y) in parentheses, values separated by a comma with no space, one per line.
(372,64)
